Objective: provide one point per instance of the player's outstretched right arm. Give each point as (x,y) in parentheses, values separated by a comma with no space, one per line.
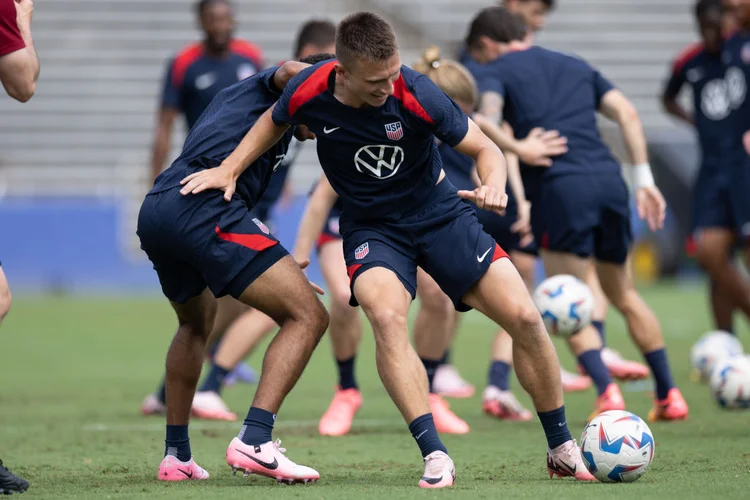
(19,64)
(259,139)
(314,219)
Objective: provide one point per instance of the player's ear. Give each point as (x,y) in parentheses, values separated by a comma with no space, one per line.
(339,69)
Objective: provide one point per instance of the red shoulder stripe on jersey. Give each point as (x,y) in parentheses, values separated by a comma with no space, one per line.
(183,61)
(249,50)
(401,92)
(316,84)
(686,55)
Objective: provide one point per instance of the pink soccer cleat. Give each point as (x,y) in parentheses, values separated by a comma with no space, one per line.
(621,368)
(152,406)
(611,399)
(566,461)
(503,405)
(439,471)
(172,469)
(572,382)
(337,420)
(446,422)
(674,407)
(449,383)
(268,460)
(208,405)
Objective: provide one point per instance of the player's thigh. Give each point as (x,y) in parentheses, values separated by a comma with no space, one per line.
(431,296)
(197,314)
(601,303)
(565,263)
(714,244)
(526,265)
(616,280)
(333,267)
(385,302)
(283,292)
(502,296)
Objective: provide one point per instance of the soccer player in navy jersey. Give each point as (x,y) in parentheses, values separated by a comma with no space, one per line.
(715,226)
(580,205)
(376,123)
(209,246)
(533,12)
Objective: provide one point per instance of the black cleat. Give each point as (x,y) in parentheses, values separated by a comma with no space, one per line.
(10,483)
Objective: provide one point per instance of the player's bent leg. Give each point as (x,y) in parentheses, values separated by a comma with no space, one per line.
(345,332)
(714,255)
(645,330)
(283,293)
(586,345)
(722,307)
(497,399)
(184,361)
(230,310)
(5,296)
(502,296)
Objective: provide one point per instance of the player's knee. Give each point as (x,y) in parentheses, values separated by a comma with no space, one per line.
(626,301)
(527,323)
(340,298)
(5,301)
(709,258)
(389,326)
(315,317)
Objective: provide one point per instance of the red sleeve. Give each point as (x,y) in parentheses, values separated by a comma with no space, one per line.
(10,35)
(249,50)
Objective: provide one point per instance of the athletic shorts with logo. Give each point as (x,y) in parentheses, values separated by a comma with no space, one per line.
(584,215)
(199,241)
(331,231)
(444,238)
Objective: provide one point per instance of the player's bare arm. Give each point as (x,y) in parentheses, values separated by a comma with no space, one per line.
(162,140)
(649,200)
(264,134)
(676,109)
(491,170)
(314,218)
(19,70)
(535,150)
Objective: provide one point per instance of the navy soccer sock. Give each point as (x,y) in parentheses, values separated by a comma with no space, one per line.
(425,434)
(659,364)
(215,379)
(346,374)
(258,426)
(177,443)
(555,427)
(594,366)
(599,325)
(430,366)
(499,375)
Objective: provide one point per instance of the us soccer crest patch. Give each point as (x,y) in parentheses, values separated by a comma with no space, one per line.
(394,131)
(362,251)
(262,226)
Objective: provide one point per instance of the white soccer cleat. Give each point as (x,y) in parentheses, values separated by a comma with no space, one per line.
(449,383)
(152,406)
(439,471)
(208,405)
(268,460)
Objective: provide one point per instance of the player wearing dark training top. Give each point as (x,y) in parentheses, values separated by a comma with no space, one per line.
(376,122)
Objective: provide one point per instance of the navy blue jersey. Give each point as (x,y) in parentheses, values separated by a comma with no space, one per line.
(383,162)
(736,56)
(548,89)
(221,128)
(457,167)
(712,108)
(194,78)
(276,185)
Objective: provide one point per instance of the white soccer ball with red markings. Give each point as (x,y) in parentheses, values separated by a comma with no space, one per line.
(730,382)
(711,348)
(565,303)
(617,447)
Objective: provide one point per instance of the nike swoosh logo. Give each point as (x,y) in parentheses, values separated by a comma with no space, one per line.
(188,475)
(420,434)
(327,130)
(272,466)
(481,259)
(561,424)
(432,480)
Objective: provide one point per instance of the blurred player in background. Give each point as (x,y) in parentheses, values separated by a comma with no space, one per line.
(533,12)
(587,182)
(714,217)
(193,78)
(19,70)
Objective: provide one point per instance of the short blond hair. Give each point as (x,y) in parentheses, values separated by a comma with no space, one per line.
(452,77)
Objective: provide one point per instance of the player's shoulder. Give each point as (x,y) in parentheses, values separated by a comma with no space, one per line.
(188,54)
(687,56)
(309,84)
(248,50)
(415,92)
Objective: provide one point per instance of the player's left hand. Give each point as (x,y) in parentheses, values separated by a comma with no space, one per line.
(651,206)
(746,141)
(302,265)
(522,226)
(221,177)
(486,198)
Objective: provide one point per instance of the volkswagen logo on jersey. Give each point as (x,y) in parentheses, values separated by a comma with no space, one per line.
(373,159)
(362,251)
(714,100)
(736,86)
(394,131)
(262,226)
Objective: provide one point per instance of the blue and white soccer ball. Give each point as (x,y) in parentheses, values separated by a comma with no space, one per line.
(565,303)
(617,447)
(730,382)
(711,348)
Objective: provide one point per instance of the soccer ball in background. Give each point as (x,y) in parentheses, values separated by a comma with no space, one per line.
(617,447)
(711,348)
(565,303)
(730,382)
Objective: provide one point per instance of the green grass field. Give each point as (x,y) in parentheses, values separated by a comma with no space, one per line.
(74,372)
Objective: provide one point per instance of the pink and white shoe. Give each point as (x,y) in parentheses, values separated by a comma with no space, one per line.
(566,461)
(572,382)
(152,406)
(503,405)
(446,422)
(621,368)
(439,471)
(449,383)
(268,460)
(208,405)
(172,469)
(337,420)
